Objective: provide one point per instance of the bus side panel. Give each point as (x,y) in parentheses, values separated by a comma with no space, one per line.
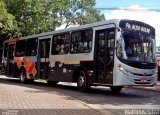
(63,68)
(65,73)
(58,71)
(13,70)
(89,69)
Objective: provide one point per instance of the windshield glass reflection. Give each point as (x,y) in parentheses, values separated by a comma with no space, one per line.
(136,46)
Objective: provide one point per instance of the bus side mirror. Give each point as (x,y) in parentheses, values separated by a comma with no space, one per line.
(118,33)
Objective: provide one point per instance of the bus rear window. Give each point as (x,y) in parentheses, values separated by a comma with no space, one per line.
(20,48)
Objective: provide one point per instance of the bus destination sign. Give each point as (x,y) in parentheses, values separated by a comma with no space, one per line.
(138,28)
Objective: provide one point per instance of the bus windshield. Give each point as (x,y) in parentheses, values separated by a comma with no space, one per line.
(136,46)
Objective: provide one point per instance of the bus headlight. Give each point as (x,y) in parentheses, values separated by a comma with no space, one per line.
(123,70)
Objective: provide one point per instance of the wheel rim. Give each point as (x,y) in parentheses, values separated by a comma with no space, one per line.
(81,81)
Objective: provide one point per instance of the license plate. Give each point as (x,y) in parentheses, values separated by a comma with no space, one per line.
(143,79)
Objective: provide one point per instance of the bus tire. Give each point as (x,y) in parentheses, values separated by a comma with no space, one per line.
(23,77)
(116,89)
(82,82)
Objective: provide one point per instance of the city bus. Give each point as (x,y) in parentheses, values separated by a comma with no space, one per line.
(112,53)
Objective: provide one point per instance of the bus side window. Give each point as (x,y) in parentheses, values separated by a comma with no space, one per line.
(56,45)
(81,42)
(20,48)
(11,51)
(75,42)
(31,47)
(66,43)
(60,44)
(5,50)
(88,41)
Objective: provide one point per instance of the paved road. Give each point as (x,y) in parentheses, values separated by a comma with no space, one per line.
(38,99)
(117,104)
(66,96)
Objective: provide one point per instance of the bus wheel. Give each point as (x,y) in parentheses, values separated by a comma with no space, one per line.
(23,78)
(116,89)
(82,82)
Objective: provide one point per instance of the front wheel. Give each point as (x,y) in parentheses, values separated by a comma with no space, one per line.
(82,82)
(116,89)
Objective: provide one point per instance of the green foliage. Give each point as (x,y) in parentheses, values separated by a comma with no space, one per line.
(33,16)
(82,12)
(37,16)
(7,22)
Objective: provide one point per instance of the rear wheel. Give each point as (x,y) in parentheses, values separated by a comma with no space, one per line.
(23,77)
(116,89)
(82,82)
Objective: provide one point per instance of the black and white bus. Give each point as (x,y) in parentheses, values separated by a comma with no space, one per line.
(112,53)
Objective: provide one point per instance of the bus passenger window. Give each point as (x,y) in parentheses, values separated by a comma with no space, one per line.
(56,45)
(81,41)
(31,47)
(11,51)
(88,41)
(20,48)
(5,50)
(60,44)
(66,43)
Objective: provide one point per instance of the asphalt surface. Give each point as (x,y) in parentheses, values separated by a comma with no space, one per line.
(98,98)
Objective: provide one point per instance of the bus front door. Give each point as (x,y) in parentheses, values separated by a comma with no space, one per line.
(44,47)
(104,55)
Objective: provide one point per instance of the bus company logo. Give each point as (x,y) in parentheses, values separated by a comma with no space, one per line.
(144,74)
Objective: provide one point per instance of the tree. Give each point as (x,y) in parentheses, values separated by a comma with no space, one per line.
(82,12)
(37,16)
(7,22)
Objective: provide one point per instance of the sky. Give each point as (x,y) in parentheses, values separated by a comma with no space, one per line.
(147,11)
